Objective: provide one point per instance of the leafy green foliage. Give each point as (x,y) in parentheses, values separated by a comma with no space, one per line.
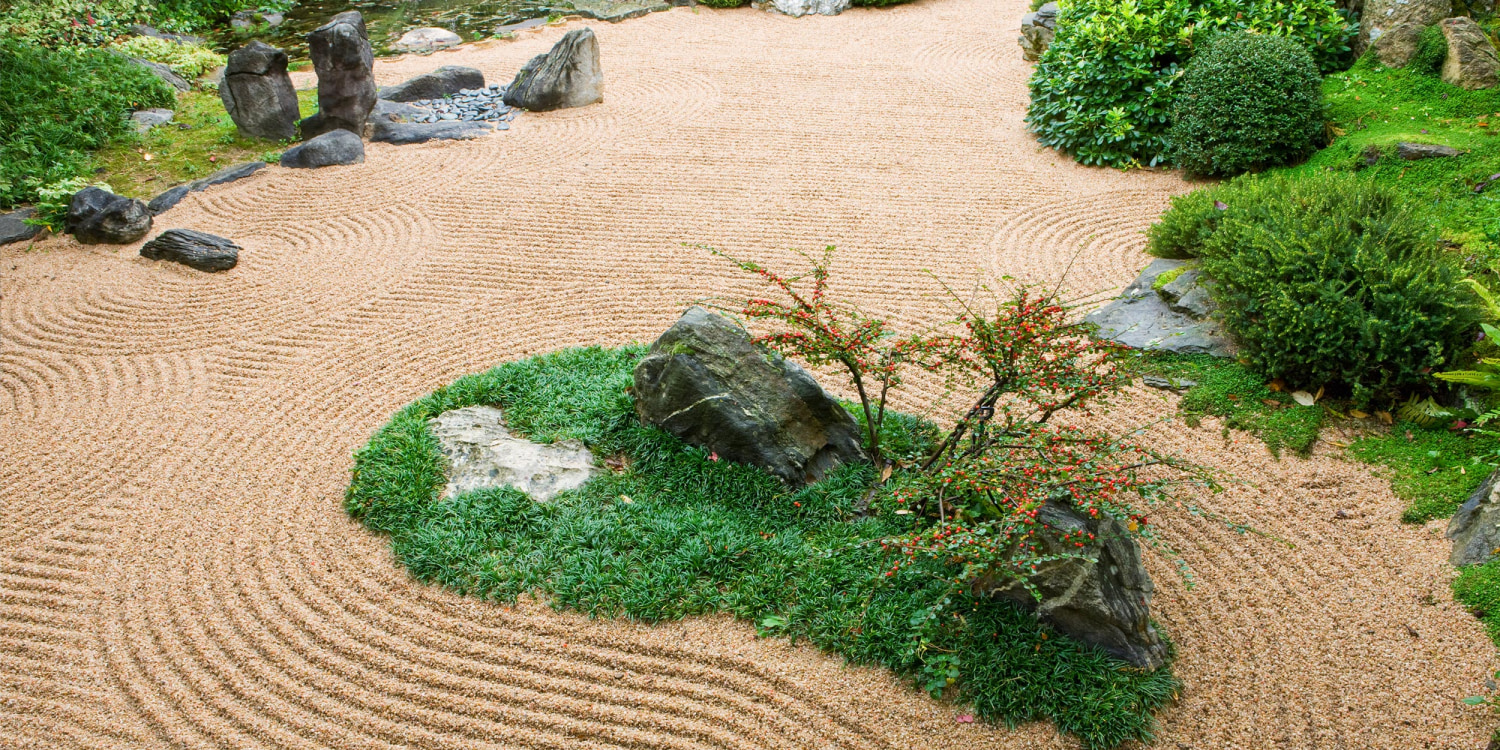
(724,3)
(52,202)
(60,23)
(676,533)
(1247,102)
(1103,91)
(56,106)
(191,61)
(1243,399)
(1477,587)
(1336,281)
(1181,230)
(1433,470)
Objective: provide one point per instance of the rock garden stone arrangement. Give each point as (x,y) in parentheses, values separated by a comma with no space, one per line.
(566,76)
(198,250)
(481,453)
(1177,317)
(97,216)
(258,93)
(341,54)
(445,81)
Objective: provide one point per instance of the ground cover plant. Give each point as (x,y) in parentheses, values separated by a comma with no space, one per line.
(93,23)
(889,562)
(1103,91)
(1433,470)
(58,106)
(191,61)
(1246,401)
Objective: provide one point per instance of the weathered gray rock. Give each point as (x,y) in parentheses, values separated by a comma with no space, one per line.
(706,382)
(481,453)
(249,19)
(427,39)
(13,226)
(97,216)
(141,29)
(566,76)
(163,72)
(1416,151)
(258,94)
(615,11)
(171,197)
(445,81)
(801,8)
(340,51)
(1380,16)
(329,149)
(1037,30)
(147,119)
(1178,321)
(1471,63)
(1397,45)
(396,112)
(404,133)
(1103,600)
(200,250)
(1475,528)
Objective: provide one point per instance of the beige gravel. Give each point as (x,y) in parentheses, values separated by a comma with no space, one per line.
(175,567)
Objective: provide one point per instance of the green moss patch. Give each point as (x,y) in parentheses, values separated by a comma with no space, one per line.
(672,532)
(1243,399)
(1477,587)
(1432,470)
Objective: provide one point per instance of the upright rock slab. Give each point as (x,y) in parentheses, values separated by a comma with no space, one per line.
(1037,30)
(200,250)
(566,76)
(706,382)
(1381,16)
(340,51)
(97,216)
(445,81)
(1103,600)
(1475,528)
(1471,63)
(258,93)
(481,453)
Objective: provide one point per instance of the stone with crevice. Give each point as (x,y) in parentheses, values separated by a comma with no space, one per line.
(1472,62)
(1475,528)
(341,55)
(194,249)
(258,94)
(481,453)
(1177,318)
(99,217)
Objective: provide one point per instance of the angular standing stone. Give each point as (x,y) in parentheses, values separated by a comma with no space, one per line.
(1471,63)
(97,216)
(258,93)
(566,76)
(340,51)
(200,250)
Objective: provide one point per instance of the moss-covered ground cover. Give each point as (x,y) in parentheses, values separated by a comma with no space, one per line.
(1244,400)
(672,532)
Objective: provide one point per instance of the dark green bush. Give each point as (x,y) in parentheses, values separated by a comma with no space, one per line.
(1333,280)
(55,23)
(1103,90)
(1180,232)
(724,3)
(56,106)
(1247,102)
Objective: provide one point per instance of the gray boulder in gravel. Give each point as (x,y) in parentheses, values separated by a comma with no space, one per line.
(1475,528)
(258,94)
(341,55)
(706,382)
(481,453)
(398,133)
(566,76)
(1104,599)
(13,226)
(1176,318)
(97,216)
(1037,30)
(799,8)
(445,81)
(200,250)
(329,149)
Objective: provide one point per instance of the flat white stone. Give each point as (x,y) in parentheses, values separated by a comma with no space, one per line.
(482,454)
(428,38)
(806,7)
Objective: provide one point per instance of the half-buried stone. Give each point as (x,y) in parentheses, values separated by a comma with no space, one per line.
(13,226)
(329,149)
(481,453)
(173,196)
(445,81)
(200,250)
(568,75)
(706,382)
(97,216)
(404,133)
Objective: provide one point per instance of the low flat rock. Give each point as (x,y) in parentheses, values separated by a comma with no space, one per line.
(482,454)
(1475,528)
(445,81)
(404,133)
(333,148)
(799,8)
(147,119)
(396,111)
(13,226)
(172,196)
(200,250)
(428,38)
(614,12)
(165,73)
(1141,319)
(1417,151)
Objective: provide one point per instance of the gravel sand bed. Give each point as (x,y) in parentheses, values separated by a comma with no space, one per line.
(175,566)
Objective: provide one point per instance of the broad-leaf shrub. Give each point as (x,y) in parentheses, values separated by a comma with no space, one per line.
(58,105)
(1247,102)
(1103,90)
(191,61)
(1334,280)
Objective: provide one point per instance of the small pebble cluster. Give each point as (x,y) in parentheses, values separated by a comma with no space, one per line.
(476,105)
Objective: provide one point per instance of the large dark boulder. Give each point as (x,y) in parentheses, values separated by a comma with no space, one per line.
(445,81)
(97,216)
(1103,600)
(258,93)
(340,51)
(568,75)
(706,382)
(1475,528)
(200,250)
(328,149)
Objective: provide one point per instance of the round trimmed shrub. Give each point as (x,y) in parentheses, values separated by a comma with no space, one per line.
(1336,282)
(1248,102)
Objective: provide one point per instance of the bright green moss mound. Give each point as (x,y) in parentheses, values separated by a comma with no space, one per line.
(1432,470)
(676,534)
(1227,389)
(1478,588)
